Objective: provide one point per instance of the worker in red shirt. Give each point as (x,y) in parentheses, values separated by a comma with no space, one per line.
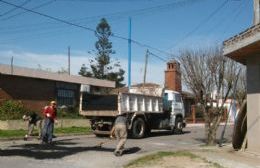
(50,113)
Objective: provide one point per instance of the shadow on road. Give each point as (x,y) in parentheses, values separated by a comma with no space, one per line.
(203,140)
(165,133)
(58,150)
(132,150)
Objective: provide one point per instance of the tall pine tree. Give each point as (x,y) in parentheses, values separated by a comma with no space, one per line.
(102,66)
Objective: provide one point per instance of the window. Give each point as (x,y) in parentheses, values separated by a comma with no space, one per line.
(65,97)
(177,97)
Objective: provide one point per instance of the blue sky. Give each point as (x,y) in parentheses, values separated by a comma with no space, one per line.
(168,25)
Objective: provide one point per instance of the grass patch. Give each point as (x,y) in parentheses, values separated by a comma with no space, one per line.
(149,159)
(5,134)
(12,133)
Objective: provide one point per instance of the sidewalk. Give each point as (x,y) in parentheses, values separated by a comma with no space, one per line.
(228,158)
(203,124)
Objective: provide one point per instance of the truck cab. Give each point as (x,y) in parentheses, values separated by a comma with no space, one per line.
(174,104)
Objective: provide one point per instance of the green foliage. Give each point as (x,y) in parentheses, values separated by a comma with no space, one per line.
(58,131)
(10,110)
(12,133)
(102,67)
(150,159)
(69,112)
(154,159)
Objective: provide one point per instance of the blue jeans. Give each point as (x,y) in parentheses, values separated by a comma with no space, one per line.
(47,130)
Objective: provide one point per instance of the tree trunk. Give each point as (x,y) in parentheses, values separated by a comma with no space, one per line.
(207,126)
(212,136)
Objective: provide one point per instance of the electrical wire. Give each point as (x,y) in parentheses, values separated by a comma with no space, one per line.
(119,15)
(11,10)
(239,12)
(200,24)
(157,56)
(36,7)
(79,26)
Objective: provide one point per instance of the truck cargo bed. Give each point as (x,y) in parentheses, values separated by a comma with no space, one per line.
(111,105)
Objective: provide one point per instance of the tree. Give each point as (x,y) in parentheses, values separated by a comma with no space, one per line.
(102,67)
(62,70)
(84,71)
(204,72)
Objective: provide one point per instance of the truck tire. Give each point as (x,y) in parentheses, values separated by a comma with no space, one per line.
(240,128)
(178,125)
(138,128)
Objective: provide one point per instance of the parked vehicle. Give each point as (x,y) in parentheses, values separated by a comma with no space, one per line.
(144,112)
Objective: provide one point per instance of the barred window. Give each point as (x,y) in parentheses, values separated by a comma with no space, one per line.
(65,97)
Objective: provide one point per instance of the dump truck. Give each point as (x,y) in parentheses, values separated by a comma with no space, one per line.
(145,111)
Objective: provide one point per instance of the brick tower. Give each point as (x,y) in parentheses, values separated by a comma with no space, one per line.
(173,76)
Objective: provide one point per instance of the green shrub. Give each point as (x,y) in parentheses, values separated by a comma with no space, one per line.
(70,112)
(10,110)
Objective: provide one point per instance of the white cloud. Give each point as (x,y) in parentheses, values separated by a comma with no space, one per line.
(155,70)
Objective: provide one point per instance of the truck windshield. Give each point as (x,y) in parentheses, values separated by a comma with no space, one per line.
(177,97)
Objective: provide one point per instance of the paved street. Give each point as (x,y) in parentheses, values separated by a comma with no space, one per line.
(80,151)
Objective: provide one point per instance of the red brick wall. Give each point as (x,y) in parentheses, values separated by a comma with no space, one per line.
(173,76)
(34,93)
(4,96)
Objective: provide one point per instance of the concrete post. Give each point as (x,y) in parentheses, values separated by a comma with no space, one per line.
(256,12)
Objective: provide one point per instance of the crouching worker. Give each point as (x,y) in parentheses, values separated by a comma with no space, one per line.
(120,132)
(49,113)
(33,120)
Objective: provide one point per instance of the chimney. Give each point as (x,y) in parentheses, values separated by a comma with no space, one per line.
(256,12)
(173,76)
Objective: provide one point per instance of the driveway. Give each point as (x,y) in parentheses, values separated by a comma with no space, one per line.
(81,151)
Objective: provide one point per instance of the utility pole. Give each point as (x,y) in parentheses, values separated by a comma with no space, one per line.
(69,60)
(129,54)
(145,66)
(12,65)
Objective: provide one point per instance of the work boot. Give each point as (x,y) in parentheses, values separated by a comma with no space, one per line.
(25,138)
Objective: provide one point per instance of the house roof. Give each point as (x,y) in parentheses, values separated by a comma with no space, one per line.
(40,74)
(243,45)
(146,85)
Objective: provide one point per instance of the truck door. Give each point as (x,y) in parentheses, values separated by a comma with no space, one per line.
(177,104)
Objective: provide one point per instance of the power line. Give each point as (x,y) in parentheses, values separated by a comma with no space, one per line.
(157,56)
(239,12)
(11,10)
(225,18)
(36,7)
(48,16)
(201,23)
(124,13)
(80,26)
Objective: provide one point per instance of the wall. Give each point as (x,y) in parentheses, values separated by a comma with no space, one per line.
(34,93)
(253,103)
(20,124)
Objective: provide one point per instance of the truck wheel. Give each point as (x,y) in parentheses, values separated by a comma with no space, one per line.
(178,126)
(138,128)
